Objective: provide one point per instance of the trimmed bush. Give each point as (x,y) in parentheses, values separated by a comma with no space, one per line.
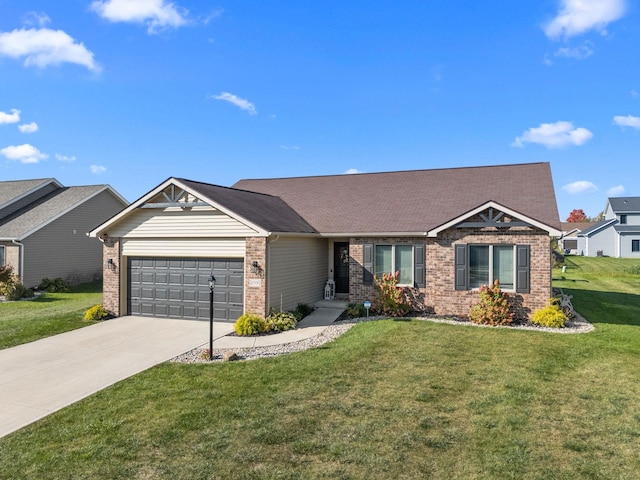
(10,285)
(356,310)
(493,308)
(302,310)
(53,285)
(550,316)
(96,314)
(281,321)
(249,324)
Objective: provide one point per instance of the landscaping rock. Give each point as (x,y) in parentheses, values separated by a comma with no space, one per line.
(230,356)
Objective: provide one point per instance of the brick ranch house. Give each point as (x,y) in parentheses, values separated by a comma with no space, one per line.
(274,243)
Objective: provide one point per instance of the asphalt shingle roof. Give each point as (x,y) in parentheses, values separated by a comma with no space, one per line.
(12,189)
(411,201)
(625,204)
(266,211)
(30,218)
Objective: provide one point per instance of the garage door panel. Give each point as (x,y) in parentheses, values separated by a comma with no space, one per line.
(179,287)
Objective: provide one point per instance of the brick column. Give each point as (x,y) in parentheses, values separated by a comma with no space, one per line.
(255,283)
(111,278)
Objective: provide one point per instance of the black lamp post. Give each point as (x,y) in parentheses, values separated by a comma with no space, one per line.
(212,285)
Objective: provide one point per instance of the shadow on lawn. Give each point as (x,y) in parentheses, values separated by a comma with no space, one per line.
(606,307)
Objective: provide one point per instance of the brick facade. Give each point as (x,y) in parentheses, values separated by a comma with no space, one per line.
(255,282)
(439,294)
(111,276)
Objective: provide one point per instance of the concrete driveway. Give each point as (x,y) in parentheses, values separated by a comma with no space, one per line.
(40,377)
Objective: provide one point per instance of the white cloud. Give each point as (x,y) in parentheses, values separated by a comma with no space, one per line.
(554,135)
(237,101)
(352,171)
(13,117)
(581,16)
(43,47)
(28,127)
(616,191)
(581,186)
(155,14)
(628,121)
(37,18)
(289,147)
(580,53)
(97,169)
(23,153)
(634,93)
(65,158)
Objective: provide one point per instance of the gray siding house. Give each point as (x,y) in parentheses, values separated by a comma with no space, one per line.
(618,235)
(275,243)
(44,227)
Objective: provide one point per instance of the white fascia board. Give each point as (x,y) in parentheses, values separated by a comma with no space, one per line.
(491,204)
(98,231)
(599,229)
(373,234)
(66,210)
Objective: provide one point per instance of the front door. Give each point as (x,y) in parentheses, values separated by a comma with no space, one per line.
(341,266)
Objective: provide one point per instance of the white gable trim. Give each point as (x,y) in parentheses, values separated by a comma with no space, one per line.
(101,229)
(491,204)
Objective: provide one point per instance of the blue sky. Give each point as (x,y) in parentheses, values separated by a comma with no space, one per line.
(131,92)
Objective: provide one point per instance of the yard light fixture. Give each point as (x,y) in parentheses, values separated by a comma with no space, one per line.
(212,285)
(367,305)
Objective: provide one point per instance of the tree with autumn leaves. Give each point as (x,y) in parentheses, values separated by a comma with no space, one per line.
(577,215)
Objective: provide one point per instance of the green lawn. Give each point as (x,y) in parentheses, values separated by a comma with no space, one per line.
(49,314)
(389,399)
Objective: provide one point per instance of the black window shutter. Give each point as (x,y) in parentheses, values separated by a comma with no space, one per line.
(418,266)
(523,268)
(461,266)
(367,264)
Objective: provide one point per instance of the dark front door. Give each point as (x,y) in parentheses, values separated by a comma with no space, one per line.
(341,266)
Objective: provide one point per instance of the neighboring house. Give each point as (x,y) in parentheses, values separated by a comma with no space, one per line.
(274,243)
(570,231)
(44,229)
(618,235)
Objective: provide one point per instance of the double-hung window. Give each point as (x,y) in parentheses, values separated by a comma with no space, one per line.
(635,245)
(395,258)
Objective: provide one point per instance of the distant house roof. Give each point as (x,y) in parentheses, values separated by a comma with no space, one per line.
(597,227)
(13,190)
(32,217)
(572,228)
(625,204)
(412,201)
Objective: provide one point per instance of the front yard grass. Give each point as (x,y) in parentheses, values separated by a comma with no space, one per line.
(49,314)
(389,399)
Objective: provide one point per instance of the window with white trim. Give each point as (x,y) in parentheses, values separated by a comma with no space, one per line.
(395,258)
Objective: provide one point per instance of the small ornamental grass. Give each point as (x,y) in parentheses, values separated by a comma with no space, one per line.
(550,316)
(493,308)
(249,324)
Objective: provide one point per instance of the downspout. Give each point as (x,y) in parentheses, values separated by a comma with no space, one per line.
(21,246)
(270,240)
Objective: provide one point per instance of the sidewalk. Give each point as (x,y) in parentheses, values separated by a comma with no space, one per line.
(310,326)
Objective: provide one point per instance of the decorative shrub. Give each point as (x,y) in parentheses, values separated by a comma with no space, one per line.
(96,313)
(302,310)
(550,316)
(390,299)
(493,308)
(634,270)
(356,310)
(249,324)
(53,285)
(10,285)
(281,321)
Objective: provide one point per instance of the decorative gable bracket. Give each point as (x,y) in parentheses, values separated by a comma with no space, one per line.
(175,197)
(493,218)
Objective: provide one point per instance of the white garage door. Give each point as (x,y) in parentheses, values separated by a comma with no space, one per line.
(179,287)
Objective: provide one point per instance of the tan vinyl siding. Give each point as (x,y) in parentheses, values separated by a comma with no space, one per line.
(62,249)
(153,223)
(297,271)
(158,247)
